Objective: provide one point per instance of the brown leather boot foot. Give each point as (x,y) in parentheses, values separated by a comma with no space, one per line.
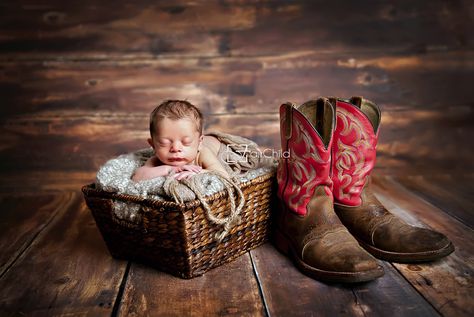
(388,237)
(324,251)
(334,256)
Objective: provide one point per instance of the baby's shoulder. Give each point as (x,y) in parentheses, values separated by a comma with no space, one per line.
(205,156)
(211,143)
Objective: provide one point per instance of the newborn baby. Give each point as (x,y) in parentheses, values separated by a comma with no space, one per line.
(178,143)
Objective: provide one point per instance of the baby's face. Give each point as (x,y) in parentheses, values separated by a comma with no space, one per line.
(176,142)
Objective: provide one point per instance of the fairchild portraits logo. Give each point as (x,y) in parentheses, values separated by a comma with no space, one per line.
(246,152)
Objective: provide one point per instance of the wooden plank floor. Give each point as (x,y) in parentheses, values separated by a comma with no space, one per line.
(54,263)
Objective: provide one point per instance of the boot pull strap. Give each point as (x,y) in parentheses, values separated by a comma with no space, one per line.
(356,101)
(289,120)
(329,117)
(370,109)
(333,101)
(320,116)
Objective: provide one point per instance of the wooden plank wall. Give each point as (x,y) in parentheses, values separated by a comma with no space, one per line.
(79,78)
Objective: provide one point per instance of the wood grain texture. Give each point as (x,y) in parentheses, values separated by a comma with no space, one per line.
(288,292)
(452,194)
(24,217)
(44,182)
(447,283)
(90,29)
(66,270)
(229,290)
(238,84)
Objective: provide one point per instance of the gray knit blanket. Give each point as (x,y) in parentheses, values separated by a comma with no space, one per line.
(116,176)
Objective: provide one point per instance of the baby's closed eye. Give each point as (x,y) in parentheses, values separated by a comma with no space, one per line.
(187,141)
(164,142)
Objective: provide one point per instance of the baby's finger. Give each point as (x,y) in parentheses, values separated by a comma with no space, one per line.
(192,168)
(184,175)
(177,169)
(190,174)
(178,175)
(197,169)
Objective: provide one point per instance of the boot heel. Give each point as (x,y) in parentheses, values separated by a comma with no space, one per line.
(281,242)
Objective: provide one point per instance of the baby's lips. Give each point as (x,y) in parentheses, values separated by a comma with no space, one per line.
(176,159)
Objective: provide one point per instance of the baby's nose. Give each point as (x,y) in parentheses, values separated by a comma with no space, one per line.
(176,147)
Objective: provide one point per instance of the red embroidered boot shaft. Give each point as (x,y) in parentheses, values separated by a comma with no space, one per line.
(309,162)
(353,153)
(307,229)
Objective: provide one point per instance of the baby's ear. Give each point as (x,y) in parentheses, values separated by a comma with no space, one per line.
(150,141)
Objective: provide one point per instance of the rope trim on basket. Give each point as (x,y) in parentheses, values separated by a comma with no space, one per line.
(229,185)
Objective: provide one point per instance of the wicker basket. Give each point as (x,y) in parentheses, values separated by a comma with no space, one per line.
(178,238)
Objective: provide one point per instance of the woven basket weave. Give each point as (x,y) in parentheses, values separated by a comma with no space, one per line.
(178,238)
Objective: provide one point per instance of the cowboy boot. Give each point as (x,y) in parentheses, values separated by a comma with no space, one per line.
(353,157)
(307,229)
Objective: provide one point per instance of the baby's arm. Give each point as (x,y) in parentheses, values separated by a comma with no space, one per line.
(209,161)
(150,170)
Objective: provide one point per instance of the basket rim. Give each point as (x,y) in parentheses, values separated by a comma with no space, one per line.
(89,190)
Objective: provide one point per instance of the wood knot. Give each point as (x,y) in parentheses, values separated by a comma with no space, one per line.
(54,18)
(92,82)
(62,280)
(174,9)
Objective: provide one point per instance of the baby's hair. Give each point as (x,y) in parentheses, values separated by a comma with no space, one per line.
(175,110)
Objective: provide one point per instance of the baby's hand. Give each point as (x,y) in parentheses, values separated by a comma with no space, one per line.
(187,171)
(190,168)
(184,174)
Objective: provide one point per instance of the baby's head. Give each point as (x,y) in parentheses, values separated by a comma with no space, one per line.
(176,132)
